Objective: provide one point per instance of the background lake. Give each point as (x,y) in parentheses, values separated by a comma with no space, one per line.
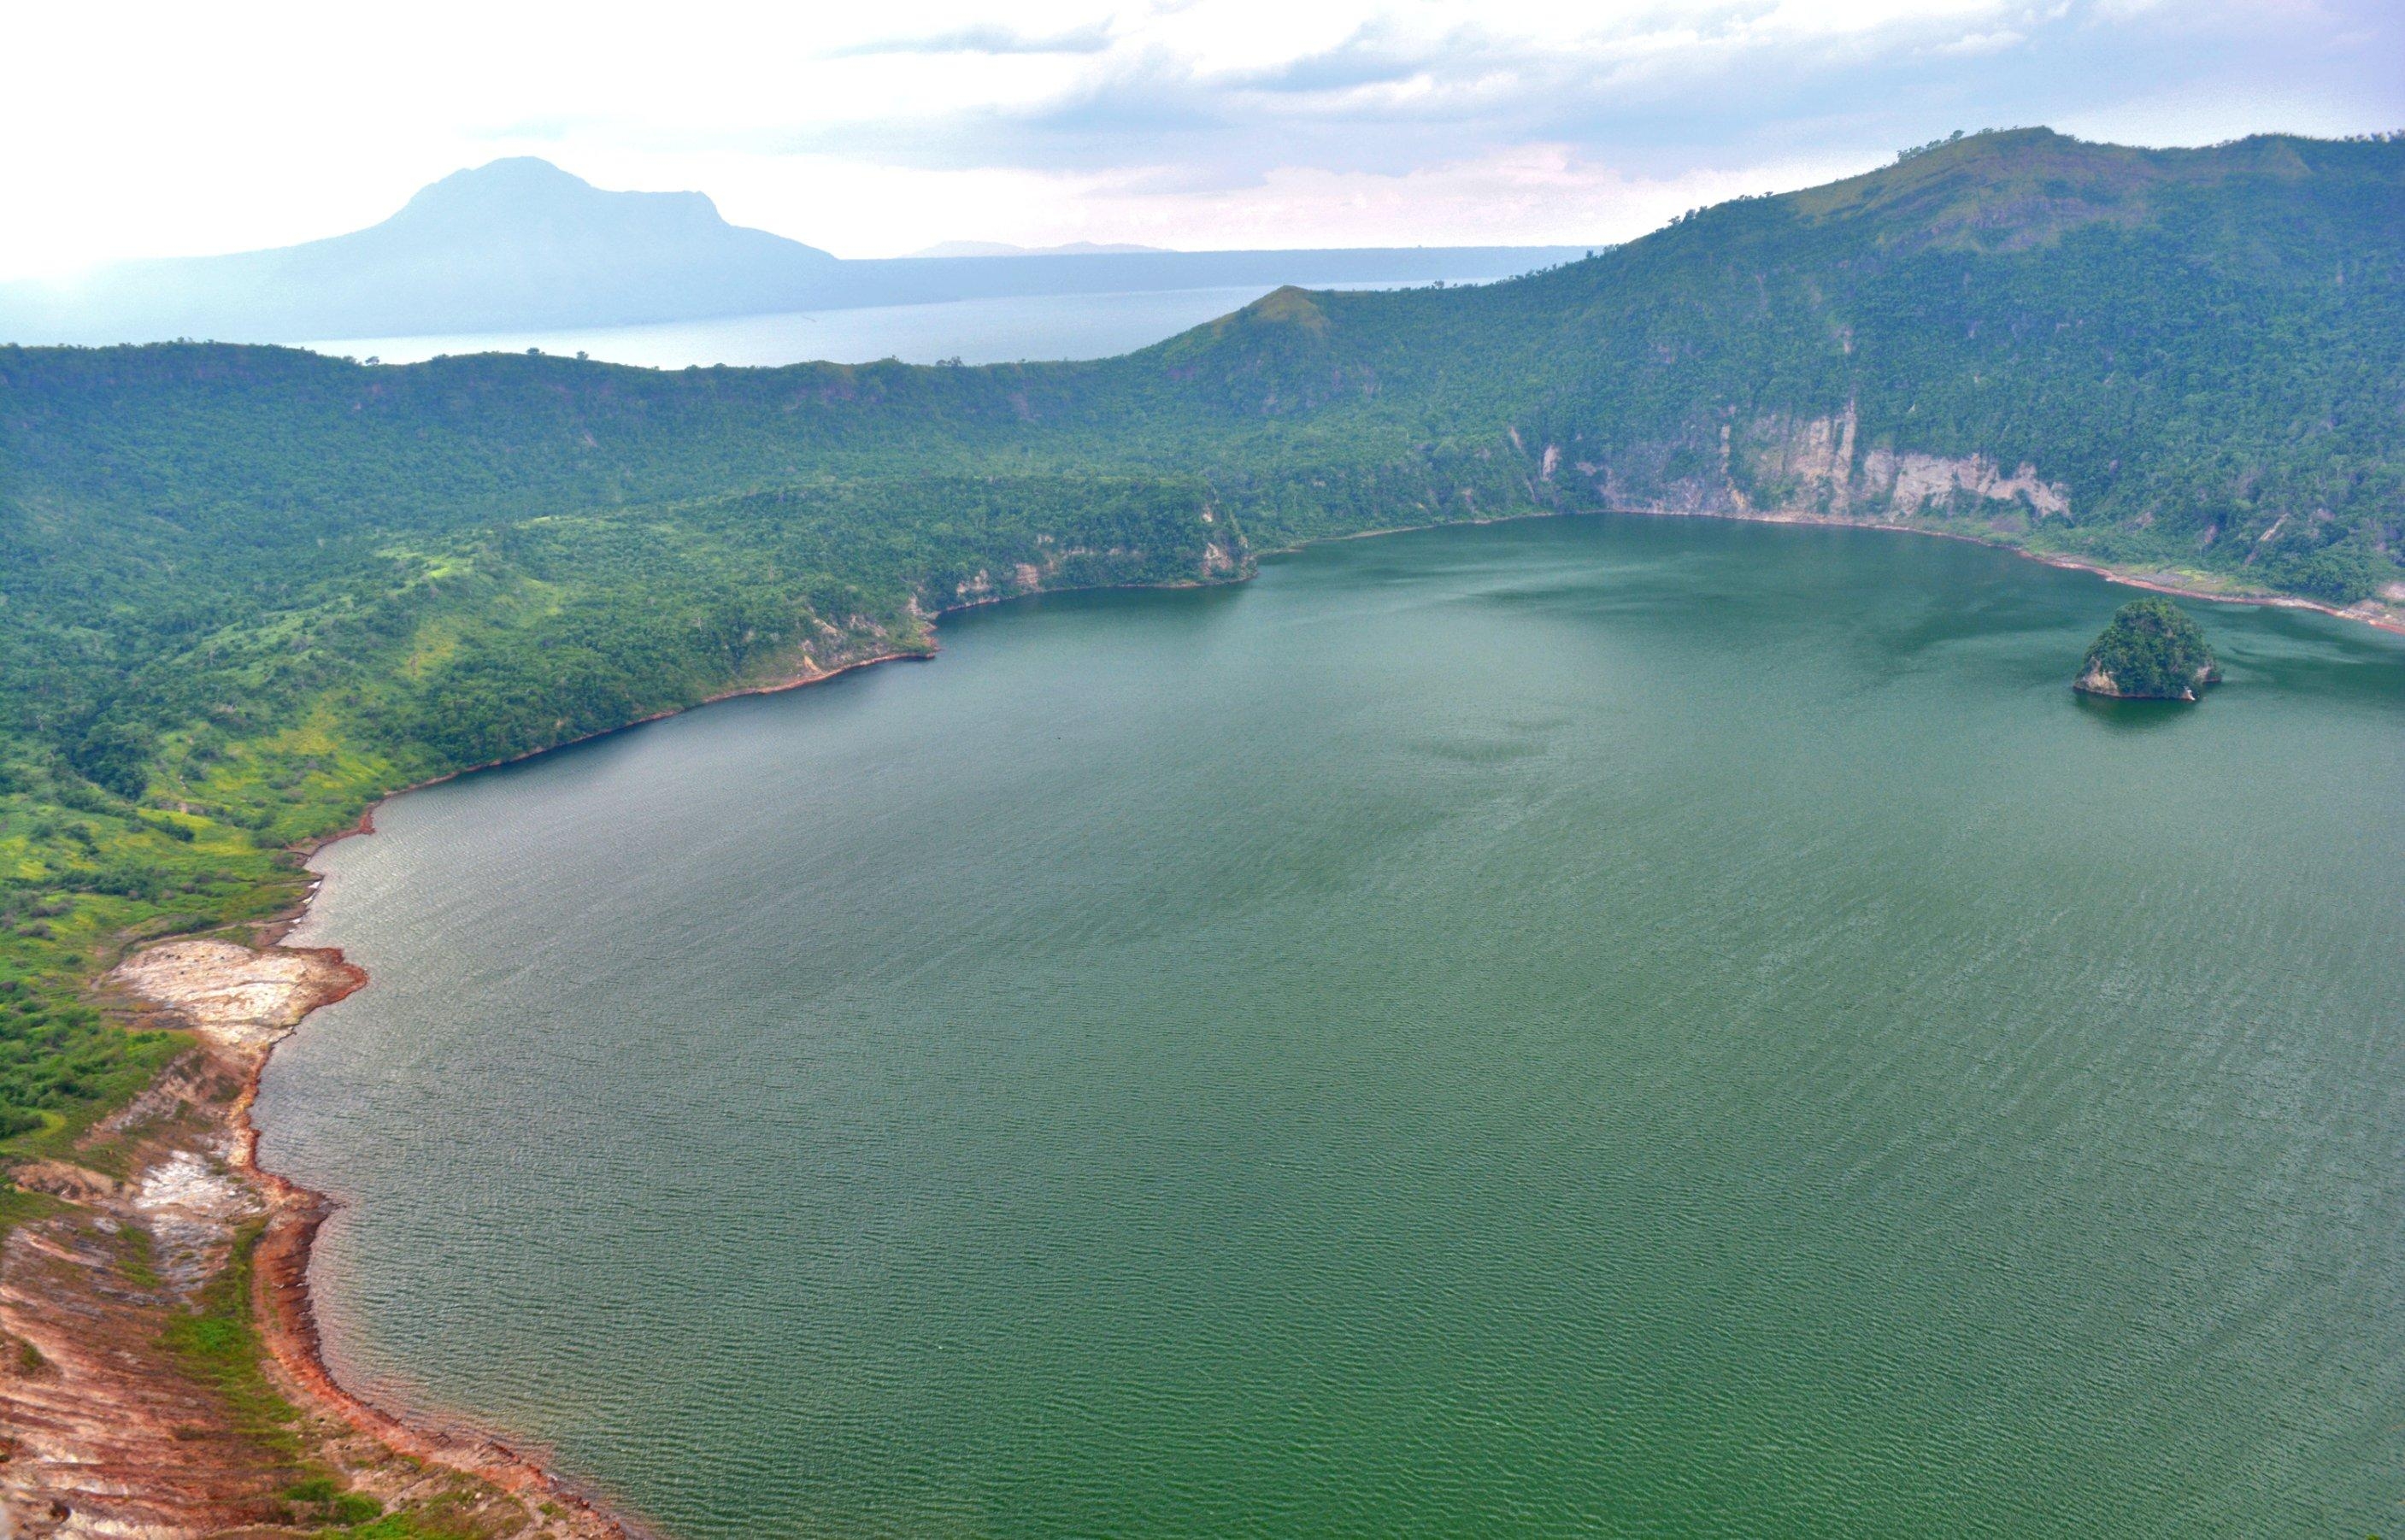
(977,331)
(1582,1026)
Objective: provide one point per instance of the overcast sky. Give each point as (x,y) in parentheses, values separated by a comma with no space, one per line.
(872,130)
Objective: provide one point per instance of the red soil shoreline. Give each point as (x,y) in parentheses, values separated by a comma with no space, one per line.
(282,1302)
(282,1305)
(282,1299)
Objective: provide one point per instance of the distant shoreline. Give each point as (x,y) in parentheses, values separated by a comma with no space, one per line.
(2384,617)
(2152,581)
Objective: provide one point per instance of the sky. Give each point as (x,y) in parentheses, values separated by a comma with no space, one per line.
(874,129)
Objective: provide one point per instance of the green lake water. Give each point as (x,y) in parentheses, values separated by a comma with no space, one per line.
(1581,1026)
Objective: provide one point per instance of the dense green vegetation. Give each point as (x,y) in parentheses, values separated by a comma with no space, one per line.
(246,590)
(2149,651)
(172,726)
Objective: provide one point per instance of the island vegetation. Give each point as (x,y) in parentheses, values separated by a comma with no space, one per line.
(2151,650)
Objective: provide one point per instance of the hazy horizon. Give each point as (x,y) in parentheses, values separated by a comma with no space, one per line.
(1222,125)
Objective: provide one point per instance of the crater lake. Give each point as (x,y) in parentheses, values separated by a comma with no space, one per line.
(1583,1026)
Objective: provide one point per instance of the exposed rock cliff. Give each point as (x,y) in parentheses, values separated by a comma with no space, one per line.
(1772,465)
(1209,548)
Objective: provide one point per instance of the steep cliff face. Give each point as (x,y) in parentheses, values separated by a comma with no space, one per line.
(2175,360)
(1775,465)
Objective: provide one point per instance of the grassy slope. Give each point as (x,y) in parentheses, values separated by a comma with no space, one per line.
(249,589)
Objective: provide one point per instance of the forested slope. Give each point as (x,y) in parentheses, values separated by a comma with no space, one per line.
(248,589)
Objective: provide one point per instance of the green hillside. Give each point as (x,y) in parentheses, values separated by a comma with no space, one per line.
(246,590)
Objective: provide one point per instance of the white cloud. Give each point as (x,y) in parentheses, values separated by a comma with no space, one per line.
(1982,42)
(1533,194)
(164,129)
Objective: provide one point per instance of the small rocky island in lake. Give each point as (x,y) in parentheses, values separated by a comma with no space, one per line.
(2150,652)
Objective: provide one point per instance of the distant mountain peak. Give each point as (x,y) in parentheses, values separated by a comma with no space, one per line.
(520,170)
(519,188)
(521,244)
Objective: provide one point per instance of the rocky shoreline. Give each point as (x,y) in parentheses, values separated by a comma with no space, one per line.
(117,1432)
(287,1314)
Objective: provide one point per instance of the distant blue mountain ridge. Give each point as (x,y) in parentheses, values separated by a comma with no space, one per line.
(521,244)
